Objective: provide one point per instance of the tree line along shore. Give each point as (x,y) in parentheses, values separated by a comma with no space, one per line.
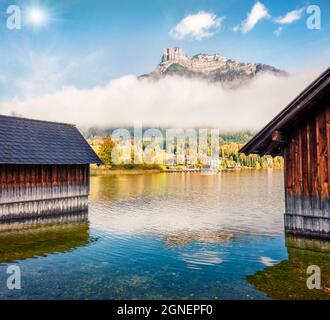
(229,158)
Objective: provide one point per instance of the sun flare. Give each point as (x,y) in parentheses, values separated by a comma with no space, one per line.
(37,16)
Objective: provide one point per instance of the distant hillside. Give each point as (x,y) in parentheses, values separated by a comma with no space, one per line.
(240,137)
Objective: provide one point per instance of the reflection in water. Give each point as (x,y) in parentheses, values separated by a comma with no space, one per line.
(249,202)
(287,279)
(199,258)
(185,238)
(31,238)
(268,262)
(165,236)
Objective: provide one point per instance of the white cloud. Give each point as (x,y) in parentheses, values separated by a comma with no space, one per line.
(278,31)
(290,17)
(176,102)
(197,26)
(258,12)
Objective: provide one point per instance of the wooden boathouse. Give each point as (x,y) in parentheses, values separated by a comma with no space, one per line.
(301,133)
(44,168)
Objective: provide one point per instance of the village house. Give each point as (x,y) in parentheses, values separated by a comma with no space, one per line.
(44,168)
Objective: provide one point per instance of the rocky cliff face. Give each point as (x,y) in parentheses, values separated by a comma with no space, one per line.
(172,55)
(215,68)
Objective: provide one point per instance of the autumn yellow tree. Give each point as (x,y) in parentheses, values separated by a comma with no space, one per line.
(105,150)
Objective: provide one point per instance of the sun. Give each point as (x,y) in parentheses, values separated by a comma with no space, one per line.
(37,16)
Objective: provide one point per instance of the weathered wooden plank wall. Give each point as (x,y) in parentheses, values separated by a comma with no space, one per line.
(307,175)
(34,190)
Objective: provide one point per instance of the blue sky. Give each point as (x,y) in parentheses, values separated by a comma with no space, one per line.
(86,43)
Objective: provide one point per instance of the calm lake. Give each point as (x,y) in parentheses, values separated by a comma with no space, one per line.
(156,236)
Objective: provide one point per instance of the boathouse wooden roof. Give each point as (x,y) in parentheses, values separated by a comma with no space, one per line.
(27,141)
(271,138)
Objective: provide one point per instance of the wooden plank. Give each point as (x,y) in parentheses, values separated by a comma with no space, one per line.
(304,160)
(313,162)
(286,178)
(290,169)
(308,166)
(322,154)
(327,116)
(324,161)
(299,164)
(299,186)
(43,176)
(289,152)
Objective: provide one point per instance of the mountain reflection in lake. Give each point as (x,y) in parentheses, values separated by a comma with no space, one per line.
(185,236)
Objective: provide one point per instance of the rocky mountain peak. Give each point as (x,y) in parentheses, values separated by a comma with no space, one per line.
(209,57)
(173,55)
(214,68)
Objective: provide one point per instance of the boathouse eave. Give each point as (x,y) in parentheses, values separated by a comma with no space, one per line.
(263,142)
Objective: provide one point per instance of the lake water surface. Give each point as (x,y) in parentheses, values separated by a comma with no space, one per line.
(155,236)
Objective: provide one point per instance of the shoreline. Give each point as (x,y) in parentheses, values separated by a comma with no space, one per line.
(101,172)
